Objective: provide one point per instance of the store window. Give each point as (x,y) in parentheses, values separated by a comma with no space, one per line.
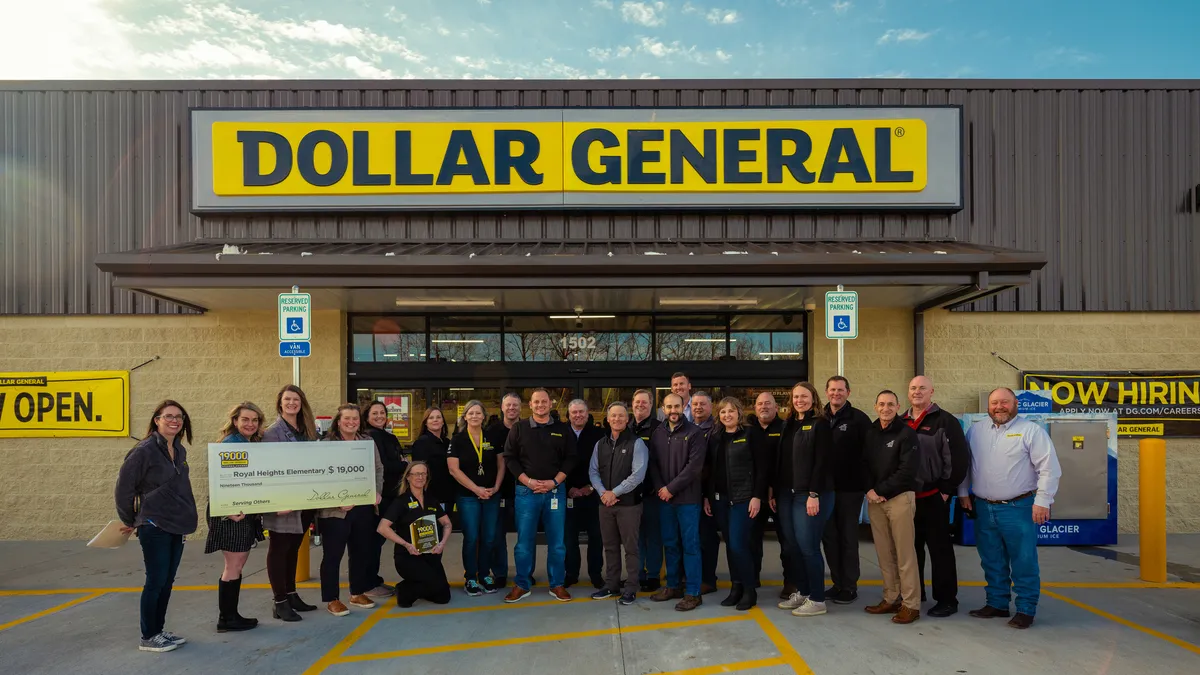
(464,339)
(568,338)
(691,338)
(766,337)
(406,409)
(388,338)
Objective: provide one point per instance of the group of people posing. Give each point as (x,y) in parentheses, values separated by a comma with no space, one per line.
(644,485)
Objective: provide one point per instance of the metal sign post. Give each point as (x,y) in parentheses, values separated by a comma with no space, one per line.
(295,328)
(841,321)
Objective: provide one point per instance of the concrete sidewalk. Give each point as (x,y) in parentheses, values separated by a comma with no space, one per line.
(68,609)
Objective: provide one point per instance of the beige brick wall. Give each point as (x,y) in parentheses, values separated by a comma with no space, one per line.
(62,488)
(958,357)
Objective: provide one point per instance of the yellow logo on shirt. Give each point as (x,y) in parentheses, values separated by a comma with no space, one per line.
(414,505)
(555,434)
(772,435)
(1013,435)
(807,428)
(739,440)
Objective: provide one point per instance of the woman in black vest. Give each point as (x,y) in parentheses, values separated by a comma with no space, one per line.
(735,489)
(617,471)
(812,498)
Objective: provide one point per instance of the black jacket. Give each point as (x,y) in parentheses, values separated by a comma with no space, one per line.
(150,487)
(812,455)
(737,471)
(677,461)
(781,474)
(497,434)
(583,448)
(849,428)
(936,425)
(392,456)
(891,458)
(766,441)
(644,430)
(432,450)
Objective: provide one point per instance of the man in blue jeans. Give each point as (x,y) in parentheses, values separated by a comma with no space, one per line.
(537,453)
(1014,475)
(676,463)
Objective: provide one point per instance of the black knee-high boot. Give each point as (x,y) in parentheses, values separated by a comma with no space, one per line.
(227,600)
(237,594)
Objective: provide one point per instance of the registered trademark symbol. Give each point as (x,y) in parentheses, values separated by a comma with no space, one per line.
(899,132)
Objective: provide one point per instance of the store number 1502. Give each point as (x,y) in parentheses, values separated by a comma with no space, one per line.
(578,342)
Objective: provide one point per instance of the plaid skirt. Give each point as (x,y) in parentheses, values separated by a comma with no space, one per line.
(226,535)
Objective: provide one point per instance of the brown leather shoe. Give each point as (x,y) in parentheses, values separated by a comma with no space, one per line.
(989,612)
(906,615)
(559,593)
(884,607)
(362,602)
(666,593)
(688,603)
(336,608)
(516,594)
(1020,620)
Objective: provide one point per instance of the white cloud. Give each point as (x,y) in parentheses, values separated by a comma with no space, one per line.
(202,54)
(485,2)
(842,6)
(393,14)
(443,31)
(364,69)
(475,64)
(720,16)
(723,56)
(66,39)
(1067,55)
(603,4)
(898,35)
(644,13)
(891,74)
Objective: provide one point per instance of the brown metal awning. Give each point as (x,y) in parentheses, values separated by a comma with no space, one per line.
(949,270)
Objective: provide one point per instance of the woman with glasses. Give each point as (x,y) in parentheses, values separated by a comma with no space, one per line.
(431,446)
(423,576)
(479,469)
(350,527)
(285,529)
(154,497)
(235,535)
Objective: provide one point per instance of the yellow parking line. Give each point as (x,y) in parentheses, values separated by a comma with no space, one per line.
(334,654)
(1125,622)
(52,610)
(728,667)
(788,653)
(401,614)
(461,647)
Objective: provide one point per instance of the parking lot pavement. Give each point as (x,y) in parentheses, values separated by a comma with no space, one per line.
(67,609)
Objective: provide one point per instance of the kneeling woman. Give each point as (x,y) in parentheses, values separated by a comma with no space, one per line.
(423,576)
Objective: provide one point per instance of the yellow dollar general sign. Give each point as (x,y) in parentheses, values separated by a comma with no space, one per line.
(64,404)
(351,159)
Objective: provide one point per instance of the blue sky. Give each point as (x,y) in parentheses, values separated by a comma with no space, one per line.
(167,39)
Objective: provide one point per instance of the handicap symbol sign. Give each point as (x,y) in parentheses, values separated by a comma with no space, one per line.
(841,323)
(295,326)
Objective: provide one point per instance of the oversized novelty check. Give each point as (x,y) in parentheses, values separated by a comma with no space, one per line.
(271,477)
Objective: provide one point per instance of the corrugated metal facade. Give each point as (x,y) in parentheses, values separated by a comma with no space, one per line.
(1099,176)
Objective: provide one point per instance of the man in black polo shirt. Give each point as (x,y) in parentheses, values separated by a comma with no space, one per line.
(583,502)
(538,454)
(768,429)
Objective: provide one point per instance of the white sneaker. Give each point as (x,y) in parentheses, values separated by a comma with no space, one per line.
(794,600)
(809,608)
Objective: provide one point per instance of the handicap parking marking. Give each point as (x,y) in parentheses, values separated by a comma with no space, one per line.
(335,653)
(53,610)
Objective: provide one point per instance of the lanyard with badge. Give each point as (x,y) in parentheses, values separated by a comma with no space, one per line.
(478,453)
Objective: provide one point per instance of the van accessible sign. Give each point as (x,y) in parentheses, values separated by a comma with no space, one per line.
(349,159)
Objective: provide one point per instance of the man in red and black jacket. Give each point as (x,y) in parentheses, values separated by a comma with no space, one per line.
(947,458)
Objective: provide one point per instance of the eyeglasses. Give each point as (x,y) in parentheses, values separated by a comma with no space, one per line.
(171,418)
(418,475)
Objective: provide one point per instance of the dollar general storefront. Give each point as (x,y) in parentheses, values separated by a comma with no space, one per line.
(459,239)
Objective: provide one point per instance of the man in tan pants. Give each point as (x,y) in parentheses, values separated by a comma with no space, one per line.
(890,453)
